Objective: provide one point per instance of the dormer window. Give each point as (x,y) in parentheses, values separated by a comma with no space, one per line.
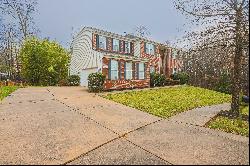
(150,49)
(116,45)
(102,42)
(127,47)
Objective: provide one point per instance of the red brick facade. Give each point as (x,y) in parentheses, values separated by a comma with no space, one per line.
(153,59)
(122,57)
(121,83)
(110,46)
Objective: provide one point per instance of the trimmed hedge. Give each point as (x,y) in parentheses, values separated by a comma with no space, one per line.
(95,82)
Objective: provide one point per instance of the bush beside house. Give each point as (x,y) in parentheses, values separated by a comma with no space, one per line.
(74,80)
(96,82)
(157,80)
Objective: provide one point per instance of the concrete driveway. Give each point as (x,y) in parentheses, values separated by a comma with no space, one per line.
(67,125)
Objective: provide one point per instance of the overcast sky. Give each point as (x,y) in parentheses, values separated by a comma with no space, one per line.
(56,18)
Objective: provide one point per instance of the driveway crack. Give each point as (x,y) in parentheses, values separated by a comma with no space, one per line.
(119,136)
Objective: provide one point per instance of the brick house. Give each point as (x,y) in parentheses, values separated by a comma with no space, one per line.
(126,61)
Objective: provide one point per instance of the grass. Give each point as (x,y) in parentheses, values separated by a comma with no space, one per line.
(244,108)
(235,126)
(6,90)
(166,102)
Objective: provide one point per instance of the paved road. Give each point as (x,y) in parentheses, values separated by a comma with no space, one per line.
(70,126)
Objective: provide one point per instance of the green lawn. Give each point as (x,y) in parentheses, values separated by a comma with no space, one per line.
(244,109)
(6,90)
(166,102)
(236,126)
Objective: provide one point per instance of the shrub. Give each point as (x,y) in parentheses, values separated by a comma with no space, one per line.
(157,80)
(95,82)
(63,82)
(170,82)
(43,62)
(182,77)
(73,80)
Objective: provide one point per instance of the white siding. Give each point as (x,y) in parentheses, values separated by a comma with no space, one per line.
(83,56)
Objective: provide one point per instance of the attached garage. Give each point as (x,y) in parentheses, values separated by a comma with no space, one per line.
(84,75)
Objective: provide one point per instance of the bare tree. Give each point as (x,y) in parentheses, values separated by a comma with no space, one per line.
(16,25)
(222,24)
(21,12)
(141,31)
(9,51)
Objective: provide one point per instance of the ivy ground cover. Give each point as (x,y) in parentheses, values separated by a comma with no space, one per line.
(166,102)
(232,125)
(6,90)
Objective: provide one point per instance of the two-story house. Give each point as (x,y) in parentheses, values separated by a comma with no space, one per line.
(126,61)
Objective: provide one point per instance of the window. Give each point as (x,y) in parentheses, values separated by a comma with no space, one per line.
(116,45)
(128,70)
(150,49)
(127,47)
(102,42)
(174,70)
(174,54)
(152,69)
(141,71)
(114,70)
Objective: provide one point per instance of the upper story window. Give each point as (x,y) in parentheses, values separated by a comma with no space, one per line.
(128,71)
(127,47)
(102,42)
(113,70)
(141,72)
(150,49)
(116,45)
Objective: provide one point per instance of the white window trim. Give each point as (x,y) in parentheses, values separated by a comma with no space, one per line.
(141,71)
(102,42)
(129,47)
(117,43)
(150,48)
(112,69)
(129,71)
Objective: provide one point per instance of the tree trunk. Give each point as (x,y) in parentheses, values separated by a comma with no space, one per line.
(236,88)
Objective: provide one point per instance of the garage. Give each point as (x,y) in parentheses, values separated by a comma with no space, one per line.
(84,75)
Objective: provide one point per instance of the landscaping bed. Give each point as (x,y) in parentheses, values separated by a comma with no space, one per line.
(166,102)
(227,123)
(6,90)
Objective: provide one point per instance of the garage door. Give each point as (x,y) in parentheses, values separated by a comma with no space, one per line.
(84,75)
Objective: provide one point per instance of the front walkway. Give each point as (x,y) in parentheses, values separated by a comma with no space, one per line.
(62,125)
